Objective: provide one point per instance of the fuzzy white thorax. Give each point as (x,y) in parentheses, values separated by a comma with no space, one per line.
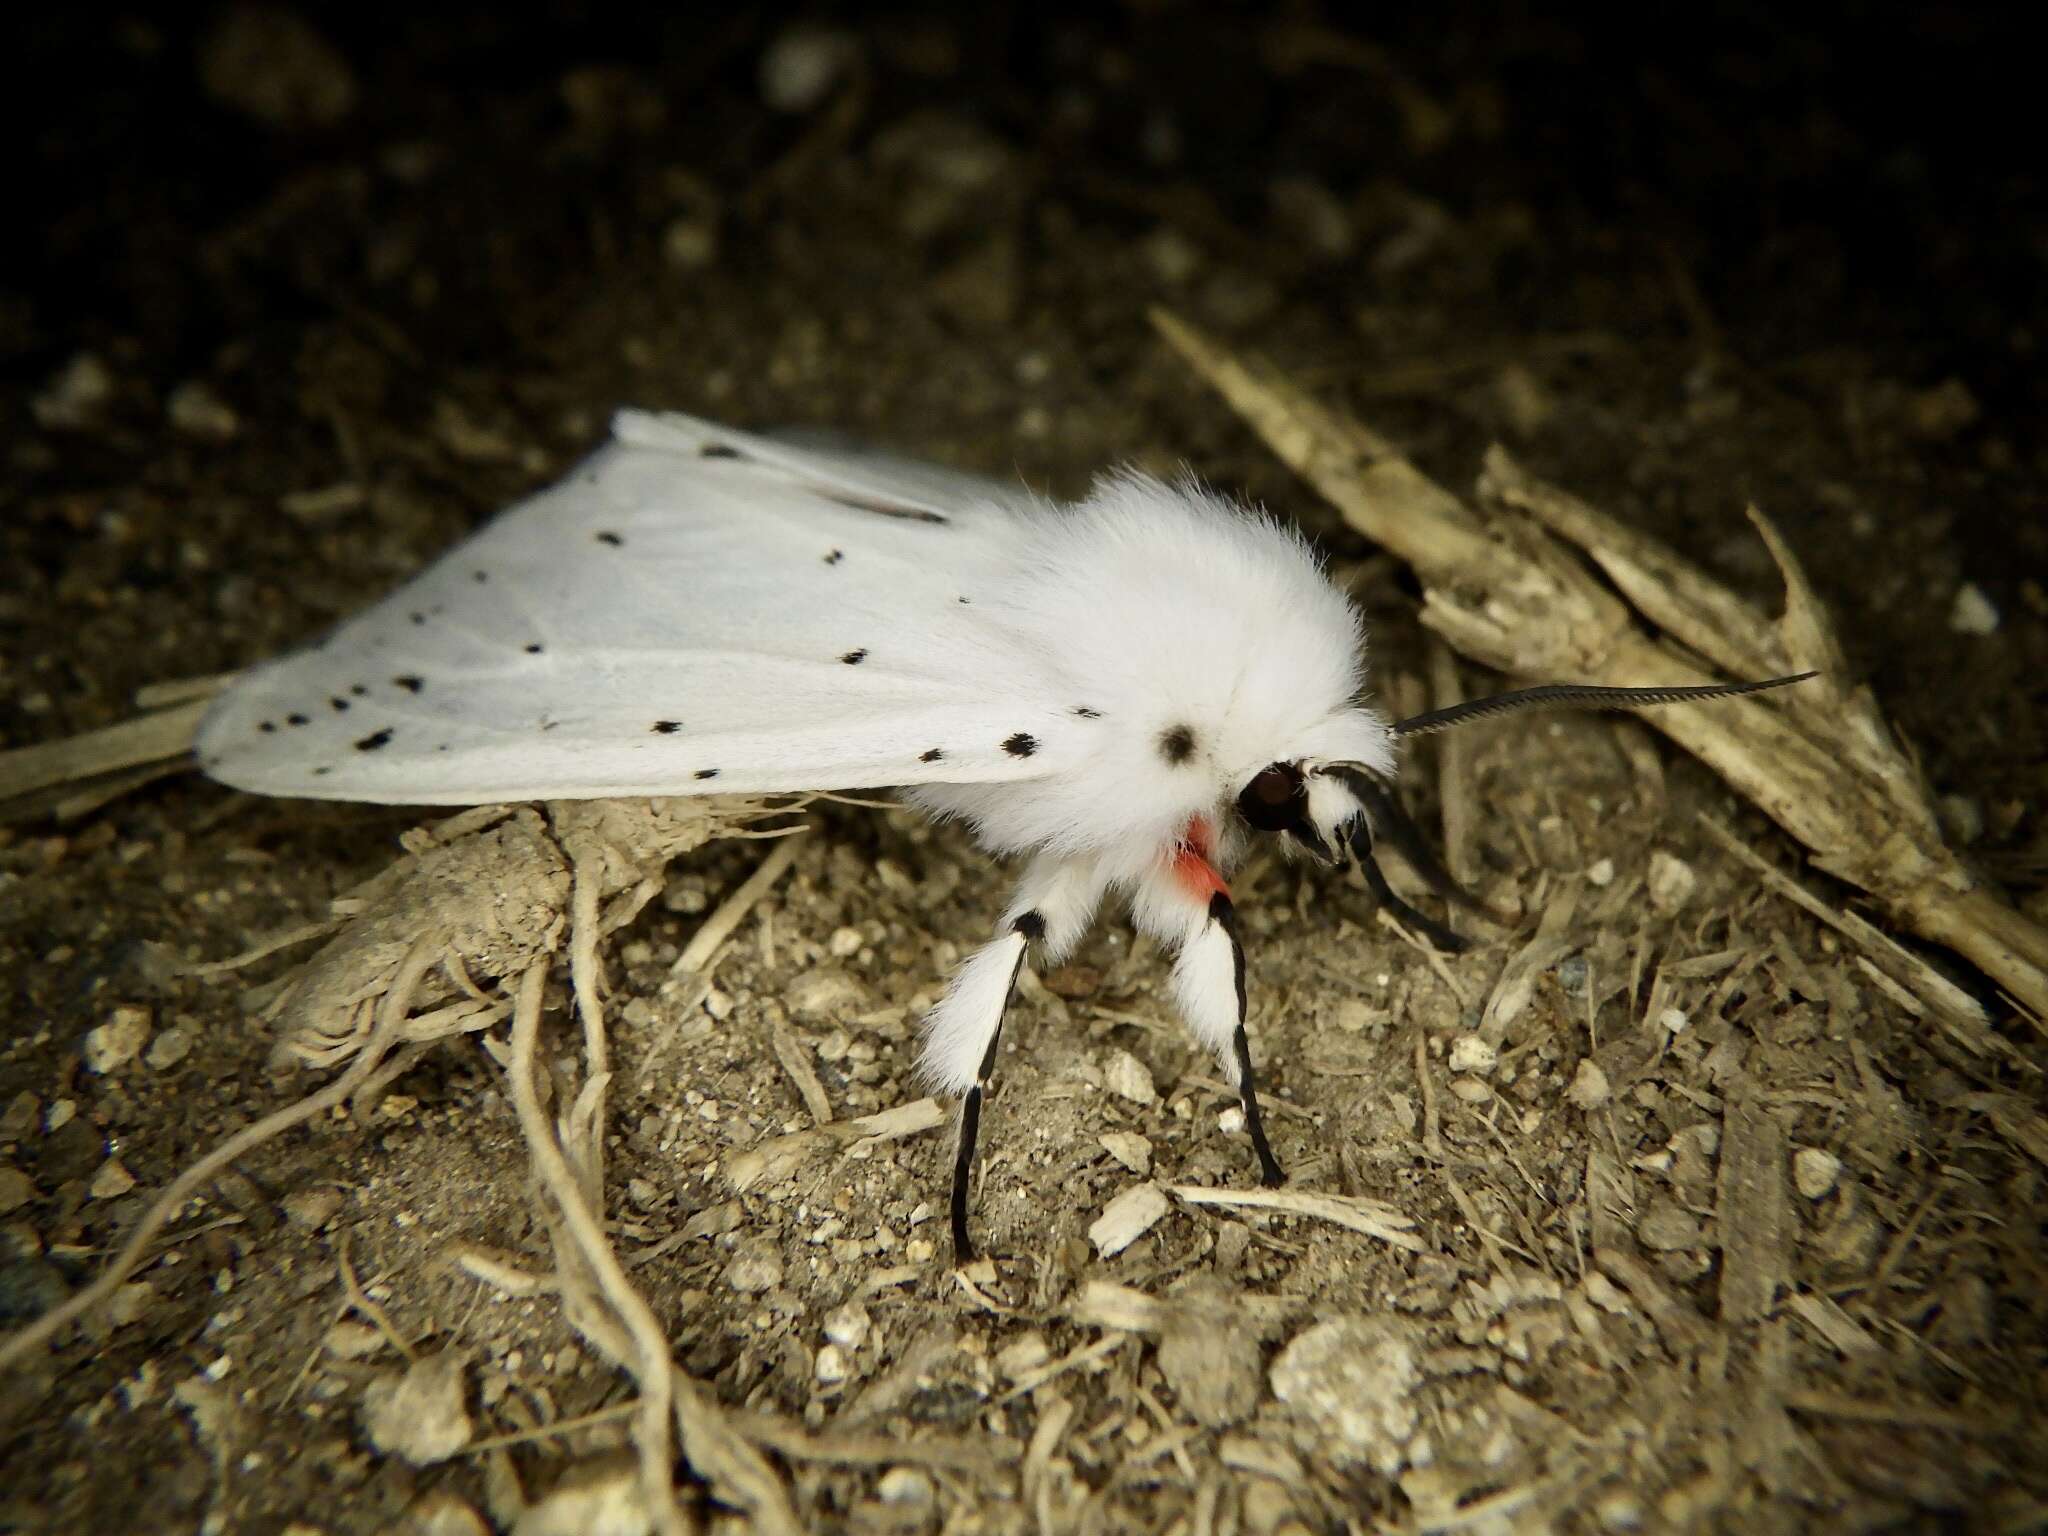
(1163,609)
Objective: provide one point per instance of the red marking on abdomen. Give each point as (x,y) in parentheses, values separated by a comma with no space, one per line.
(1191,866)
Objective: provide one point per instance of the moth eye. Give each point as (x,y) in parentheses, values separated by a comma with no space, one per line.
(1275,799)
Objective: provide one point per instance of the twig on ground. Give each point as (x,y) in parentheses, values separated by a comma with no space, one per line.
(720,926)
(636,1339)
(363,1303)
(1350,1212)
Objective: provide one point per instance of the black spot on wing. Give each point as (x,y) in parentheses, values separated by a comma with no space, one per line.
(375,740)
(1086,713)
(267,727)
(719,451)
(358,690)
(479,577)
(322,772)
(1177,744)
(419,618)
(707,773)
(667,727)
(1023,744)
(534,648)
(932,756)
(835,557)
(340,705)
(295,719)
(610,538)
(855,658)
(411,682)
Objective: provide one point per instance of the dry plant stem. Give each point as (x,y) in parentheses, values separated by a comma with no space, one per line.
(144,741)
(710,1445)
(1504,590)
(390,1017)
(706,942)
(1454,769)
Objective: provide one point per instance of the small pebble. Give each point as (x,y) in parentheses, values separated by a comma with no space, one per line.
(756,1266)
(16,1190)
(312,1208)
(76,395)
(170,1047)
(111,1181)
(1472,1053)
(1213,1363)
(845,942)
(440,1512)
(197,411)
(848,1325)
(599,1496)
(1814,1171)
(802,64)
(351,1340)
(1130,1149)
(420,1414)
(1354,1379)
(832,1365)
(20,1116)
(118,1041)
(1590,1088)
(825,992)
(1471,1089)
(1672,882)
(1127,1218)
(905,1487)
(1972,613)
(1127,1077)
(131,1303)
(1602,873)
(1022,1355)
(1666,1227)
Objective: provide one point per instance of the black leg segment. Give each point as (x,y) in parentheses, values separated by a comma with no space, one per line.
(963,1166)
(1438,934)
(1224,915)
(1028,926)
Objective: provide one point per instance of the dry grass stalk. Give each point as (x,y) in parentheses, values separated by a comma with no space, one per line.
(614,1317)
(1507,586)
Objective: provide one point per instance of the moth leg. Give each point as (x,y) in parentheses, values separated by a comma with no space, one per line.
(1052,907)
(1440,935)
(1187,905)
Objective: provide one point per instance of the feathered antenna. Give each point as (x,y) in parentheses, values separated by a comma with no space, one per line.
(1565,695)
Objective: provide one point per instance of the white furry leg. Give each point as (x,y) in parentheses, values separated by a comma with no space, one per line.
(1053,905)
(1187,906)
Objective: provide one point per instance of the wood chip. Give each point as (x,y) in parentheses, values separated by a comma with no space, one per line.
(1354,1214)
(1836,1327)
(1127,1218)
(1754,1208)
(779,1157)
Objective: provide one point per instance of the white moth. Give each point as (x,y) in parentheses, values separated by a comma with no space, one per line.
(1116,691)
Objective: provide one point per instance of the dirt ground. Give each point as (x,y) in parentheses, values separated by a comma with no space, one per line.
(296,299)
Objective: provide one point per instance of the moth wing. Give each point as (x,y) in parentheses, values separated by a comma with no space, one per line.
(690,610)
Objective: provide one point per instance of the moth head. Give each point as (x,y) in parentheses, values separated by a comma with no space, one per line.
(1304,804)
